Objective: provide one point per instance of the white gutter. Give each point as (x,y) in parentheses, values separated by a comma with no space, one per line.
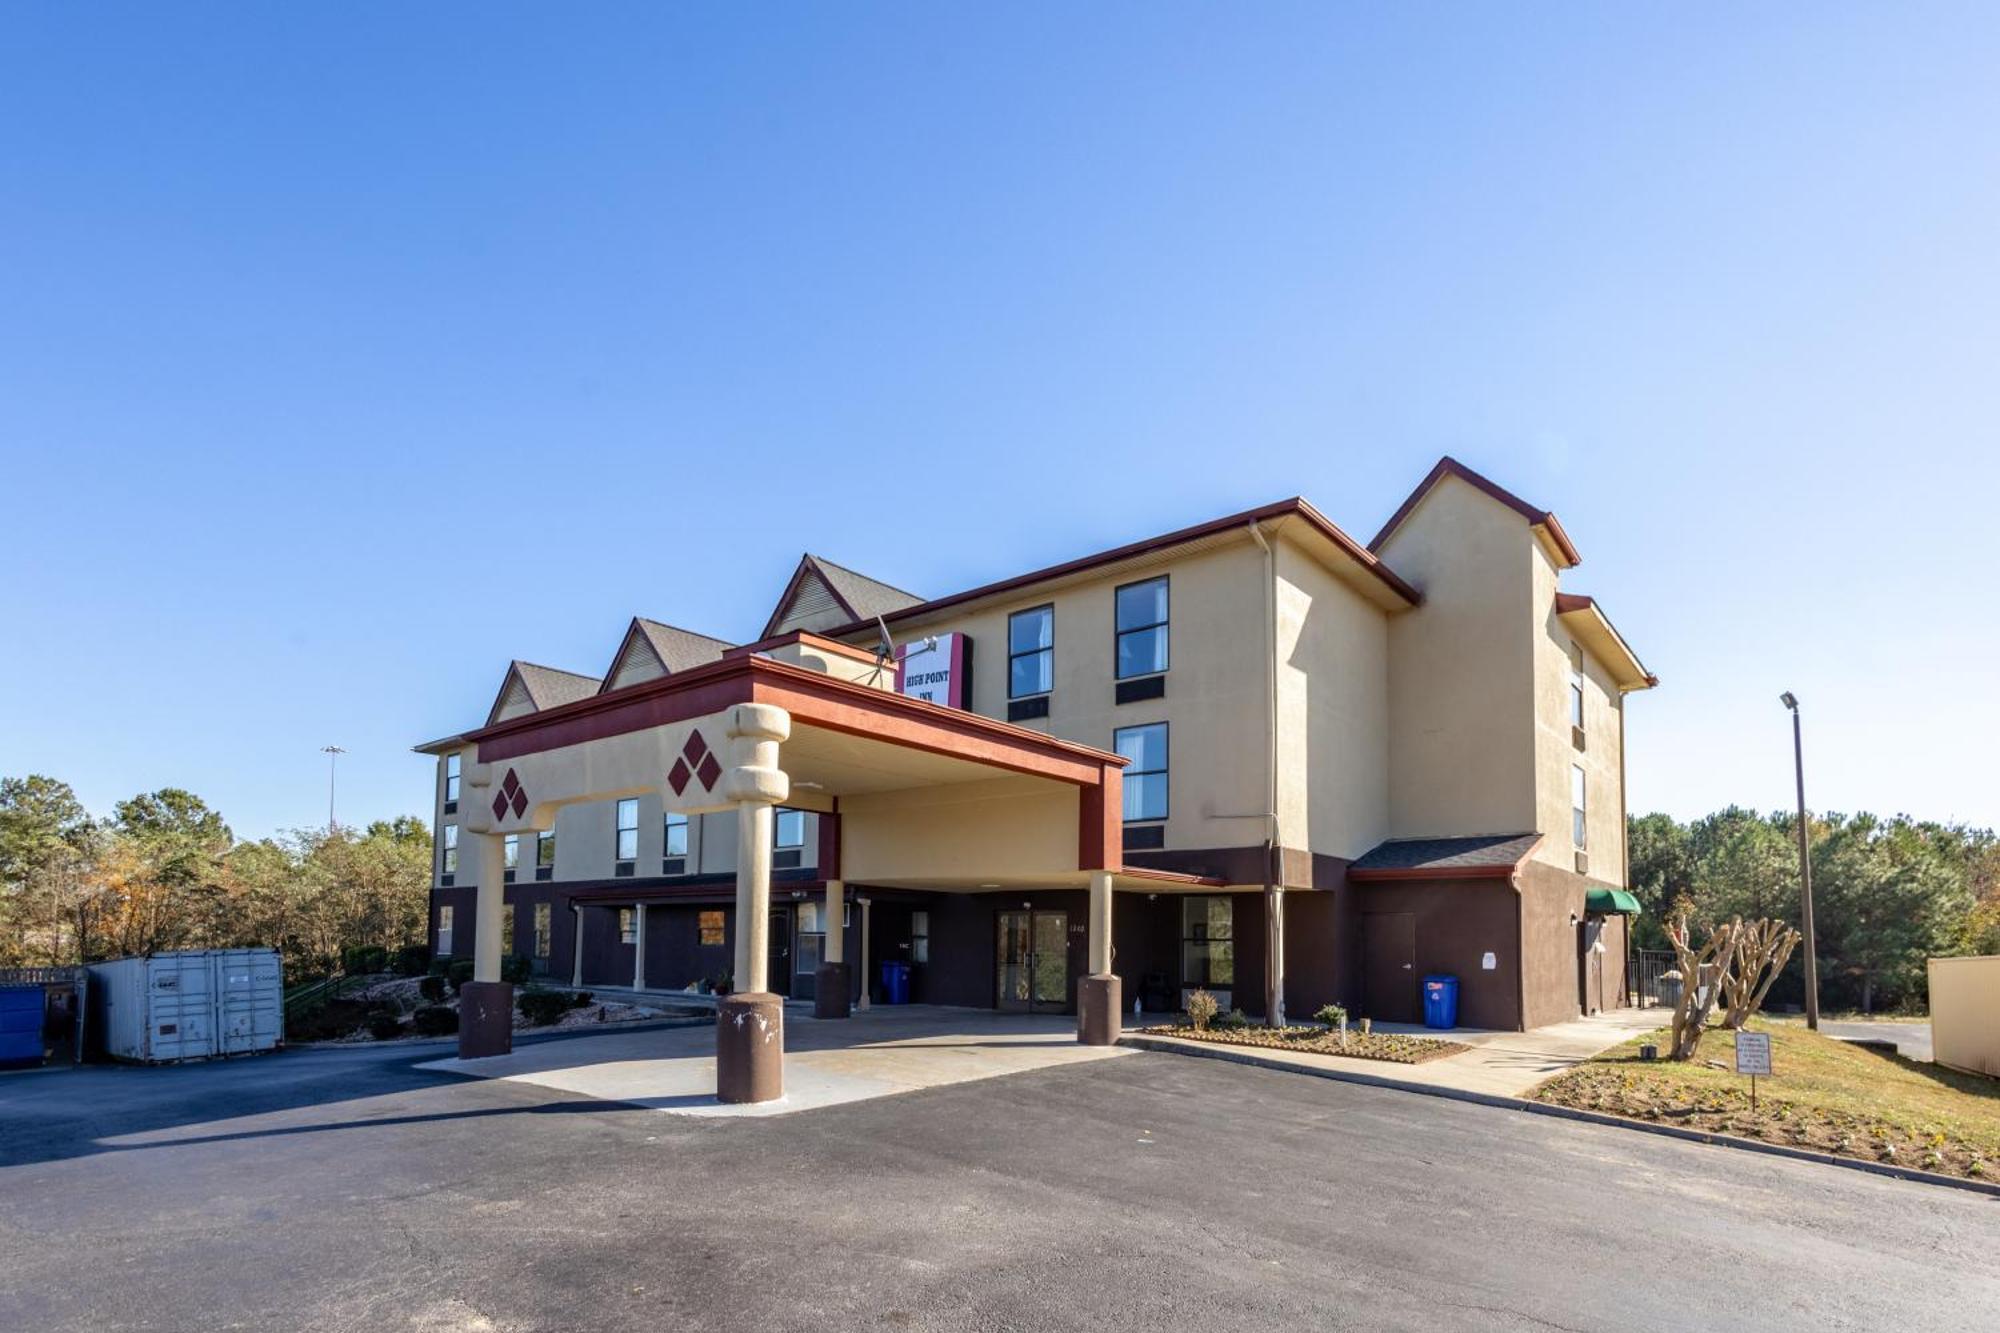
(1274,890)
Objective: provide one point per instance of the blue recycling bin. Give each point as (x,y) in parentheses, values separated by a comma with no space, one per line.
(1440,1001)
(895,983)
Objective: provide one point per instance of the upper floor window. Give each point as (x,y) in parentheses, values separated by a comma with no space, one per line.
(444,930)
(1031,652)
(1142,628)
(510,853)
(1146,775)
(676,837)
(628,926)
(789,830)
(1579,810)
(451,849)
(544,927)
(451,777)
(545,850)
(1576,686)
(628,829)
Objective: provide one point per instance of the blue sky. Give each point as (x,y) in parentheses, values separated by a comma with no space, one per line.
(347,352)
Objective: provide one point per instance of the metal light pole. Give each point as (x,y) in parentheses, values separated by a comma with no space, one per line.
(1791,702)
(332,753)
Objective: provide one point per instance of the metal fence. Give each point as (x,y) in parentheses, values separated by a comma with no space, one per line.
(1650,988)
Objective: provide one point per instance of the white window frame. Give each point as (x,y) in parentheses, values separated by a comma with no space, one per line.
(1576,685)
(779,818)
(510,852)
(450,859)
(627,806)
(1579,806)
(451,776)
(1164,771)
(544,929)
(628,925)
(672,823)
(444,930)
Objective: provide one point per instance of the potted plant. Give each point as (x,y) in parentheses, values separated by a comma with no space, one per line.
(721,983)
(1334,1016)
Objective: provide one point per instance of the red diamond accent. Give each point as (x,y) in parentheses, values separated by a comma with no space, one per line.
(678,778)
(520,803)
(695,748)
(709,771)
(500,805)
(512,784)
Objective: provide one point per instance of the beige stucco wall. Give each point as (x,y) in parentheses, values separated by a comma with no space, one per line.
(1556,753)
(1003,828)
(1965,1013)
(1462,750)
(1333,710)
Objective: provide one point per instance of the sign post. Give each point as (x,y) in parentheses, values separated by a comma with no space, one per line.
(1753,1057)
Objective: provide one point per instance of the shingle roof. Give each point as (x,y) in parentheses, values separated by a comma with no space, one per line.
(1416,858)
(680,648)
(866,597)
(549,686)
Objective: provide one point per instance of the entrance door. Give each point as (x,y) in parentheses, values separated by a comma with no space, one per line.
(778,952)
(1034,962)
(1590,964)
(1389,967)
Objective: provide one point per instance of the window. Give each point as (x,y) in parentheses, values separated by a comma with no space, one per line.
(507,931)
(545,850)
(1208,942)
(1142,628)
(628,829)
(920,937)
(712,932)
(543,915)
(628,926)
(1576,687)
(450,778)
(444,929)
(676,835)
(1031,652)
(510,852)
(789,829)
(1579,823)
(451,849)
(1146,775)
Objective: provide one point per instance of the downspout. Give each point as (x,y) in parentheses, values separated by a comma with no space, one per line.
(1274,889)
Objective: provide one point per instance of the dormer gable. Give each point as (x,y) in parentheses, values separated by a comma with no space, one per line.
(822,595)
(651,649)
(529,688)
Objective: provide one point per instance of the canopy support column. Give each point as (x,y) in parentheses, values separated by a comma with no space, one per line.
(1099,996)
(830,982)
(749,1034)
(485,1003)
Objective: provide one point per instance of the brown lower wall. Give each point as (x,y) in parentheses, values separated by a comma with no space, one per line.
(1457,922)
(1552,902)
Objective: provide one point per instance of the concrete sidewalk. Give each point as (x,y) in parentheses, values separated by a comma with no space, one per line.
(1501,1064)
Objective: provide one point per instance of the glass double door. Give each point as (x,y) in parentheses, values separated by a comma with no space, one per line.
(1034,961)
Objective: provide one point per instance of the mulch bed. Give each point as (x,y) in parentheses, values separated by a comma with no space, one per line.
(1395,1047)
(1776,1120)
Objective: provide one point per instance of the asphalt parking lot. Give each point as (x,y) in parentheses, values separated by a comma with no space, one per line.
(351,1191)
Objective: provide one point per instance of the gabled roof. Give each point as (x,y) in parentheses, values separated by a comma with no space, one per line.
(1594,630)
(1489,856)
(651,649)
(1544,523)
(859,597)
(538,688)
(1339,547)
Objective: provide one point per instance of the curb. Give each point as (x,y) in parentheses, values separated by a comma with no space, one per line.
(1244,1057)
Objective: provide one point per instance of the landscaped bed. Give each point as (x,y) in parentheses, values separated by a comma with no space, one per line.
(1825,1095)
(1396,1047)
(393,1008)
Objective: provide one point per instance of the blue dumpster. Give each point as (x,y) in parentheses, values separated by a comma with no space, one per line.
(1440,1001)
(895,983)
(20,1025)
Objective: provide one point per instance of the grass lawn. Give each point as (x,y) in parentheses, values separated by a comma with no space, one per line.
(1398,1048)
(1826,1095)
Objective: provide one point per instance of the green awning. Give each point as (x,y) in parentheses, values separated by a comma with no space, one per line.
(1611,900)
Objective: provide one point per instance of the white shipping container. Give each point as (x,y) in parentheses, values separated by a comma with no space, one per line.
(191,1005)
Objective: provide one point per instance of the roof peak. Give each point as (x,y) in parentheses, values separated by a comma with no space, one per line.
(1447,466)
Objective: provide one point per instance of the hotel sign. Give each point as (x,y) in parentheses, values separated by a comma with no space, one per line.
(938,670)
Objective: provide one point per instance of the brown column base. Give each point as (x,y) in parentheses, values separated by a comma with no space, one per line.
(830,998)
(1097,1009)
(750,1048)
(485,1019)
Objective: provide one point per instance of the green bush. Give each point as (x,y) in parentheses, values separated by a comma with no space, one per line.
(459,973)
(542,1007)
(1233,1021)
(434,1020)
(360,959)
(413,960)
(1332,1015)
(440,966)
(432,989)
(383,1027)
(515,970)
(1201,1010)
(580,998)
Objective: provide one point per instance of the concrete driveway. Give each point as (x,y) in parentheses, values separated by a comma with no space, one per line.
(1913,1040)
(352,1192)
(876,1053)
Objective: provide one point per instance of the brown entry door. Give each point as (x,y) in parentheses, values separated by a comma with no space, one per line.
(1389,967)
(1033,962)
(778,958)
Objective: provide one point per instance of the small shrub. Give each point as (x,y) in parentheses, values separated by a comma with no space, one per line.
(459,973)
(361,959)
(432,989)
(542,1007)
(515,970)
(383,1027)
(441,966)
(580,998)
(1233,1021)
(1330,1015)
(1201,1010)
(413,960)
(435,1020)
